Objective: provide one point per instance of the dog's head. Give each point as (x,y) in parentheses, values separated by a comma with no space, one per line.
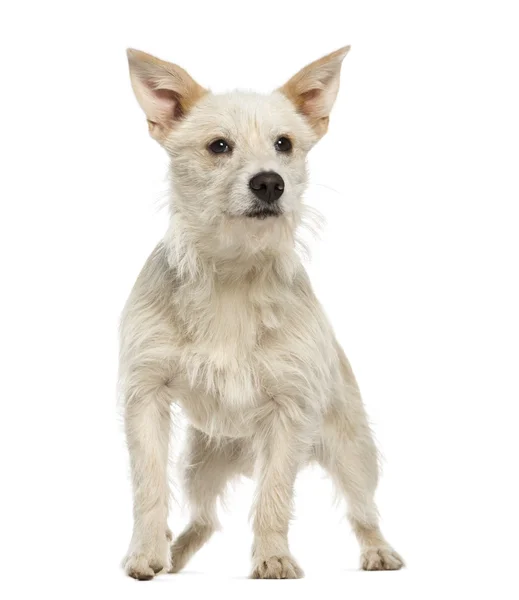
(238,159)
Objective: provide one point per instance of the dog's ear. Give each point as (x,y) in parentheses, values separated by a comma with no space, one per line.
(165,91)
(313,90)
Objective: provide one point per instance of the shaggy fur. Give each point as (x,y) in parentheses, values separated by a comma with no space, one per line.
(223,321)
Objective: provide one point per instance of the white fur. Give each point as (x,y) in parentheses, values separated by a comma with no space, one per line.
(223,321)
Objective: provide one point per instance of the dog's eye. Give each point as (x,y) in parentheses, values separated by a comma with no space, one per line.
(283,144)
(219,147)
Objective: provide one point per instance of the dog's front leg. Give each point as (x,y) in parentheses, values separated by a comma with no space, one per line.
(147,422)
(280,446)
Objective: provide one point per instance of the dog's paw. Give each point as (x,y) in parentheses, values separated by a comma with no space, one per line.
(381,559)
(140,567)
(143,565)
(277,567)
(147,555)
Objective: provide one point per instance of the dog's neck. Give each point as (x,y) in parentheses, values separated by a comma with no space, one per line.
(232,253)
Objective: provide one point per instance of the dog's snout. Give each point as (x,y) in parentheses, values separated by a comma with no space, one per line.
(268,186)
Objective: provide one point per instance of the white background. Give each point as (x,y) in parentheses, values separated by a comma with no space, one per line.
(418,179)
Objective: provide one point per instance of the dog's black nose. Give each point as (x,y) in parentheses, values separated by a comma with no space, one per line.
(267,186)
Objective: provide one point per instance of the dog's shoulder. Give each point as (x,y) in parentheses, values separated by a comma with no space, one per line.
(151,294)
(157,277)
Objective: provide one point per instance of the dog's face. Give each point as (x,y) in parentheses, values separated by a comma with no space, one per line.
(240,156)
(238,159)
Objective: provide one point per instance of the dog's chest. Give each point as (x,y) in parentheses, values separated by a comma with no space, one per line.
(229,342)
(245,348)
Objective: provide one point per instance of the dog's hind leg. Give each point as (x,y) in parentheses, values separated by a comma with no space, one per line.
(210,465)
(347,451)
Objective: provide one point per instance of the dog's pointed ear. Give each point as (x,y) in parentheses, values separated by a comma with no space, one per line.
(313,90)
(165,91)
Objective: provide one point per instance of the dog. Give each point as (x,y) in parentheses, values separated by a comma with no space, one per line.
(222,321)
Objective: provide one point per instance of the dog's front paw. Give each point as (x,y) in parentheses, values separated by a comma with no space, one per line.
(381,559)
(277,567)
(144,562)
(142,567)
(147,555)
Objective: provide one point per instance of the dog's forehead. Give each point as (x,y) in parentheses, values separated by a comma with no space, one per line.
(244,112)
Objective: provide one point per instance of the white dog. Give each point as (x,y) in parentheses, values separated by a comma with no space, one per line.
(223,321)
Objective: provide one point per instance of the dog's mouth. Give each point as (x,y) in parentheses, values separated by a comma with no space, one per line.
(264,212)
